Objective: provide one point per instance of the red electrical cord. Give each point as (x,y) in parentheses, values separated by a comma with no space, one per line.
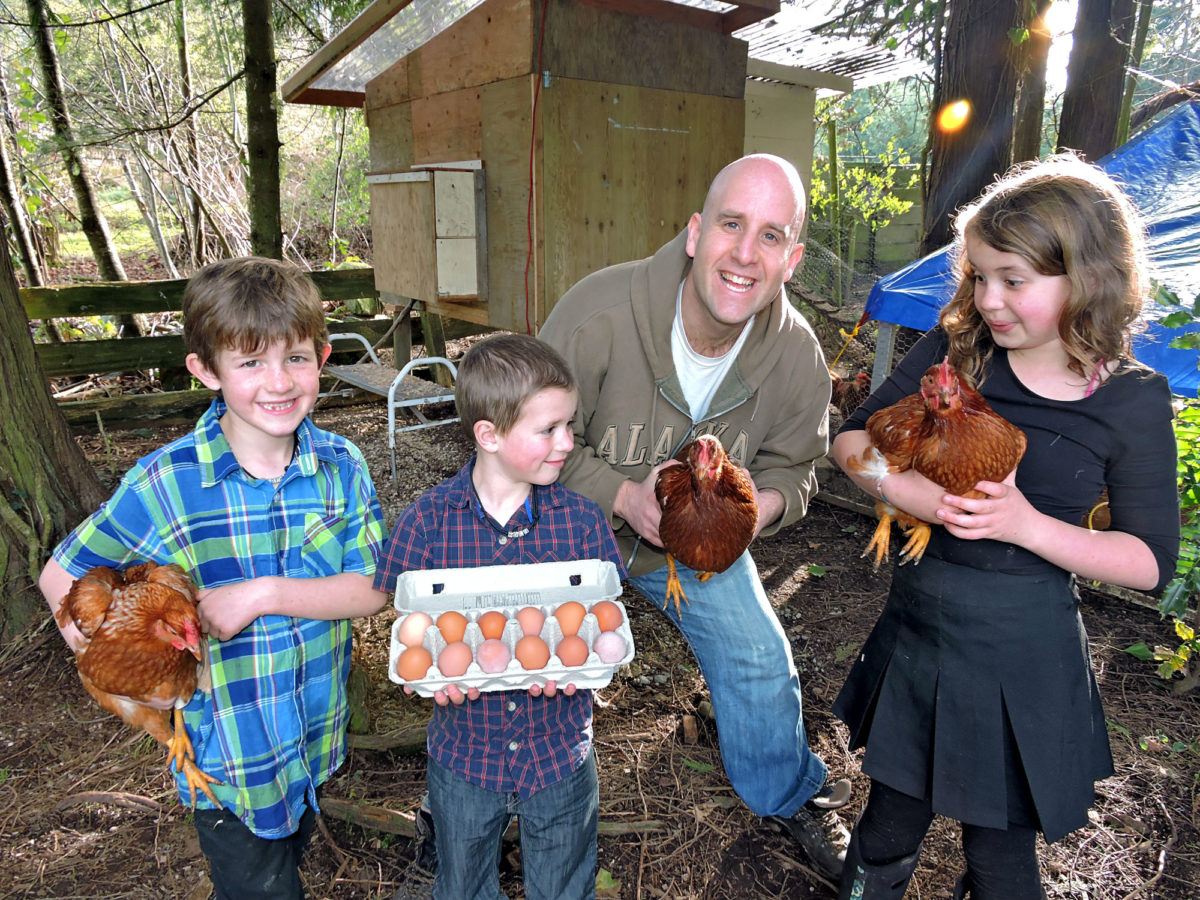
(537,90)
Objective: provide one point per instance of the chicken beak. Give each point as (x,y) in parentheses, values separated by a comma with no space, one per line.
(194,649)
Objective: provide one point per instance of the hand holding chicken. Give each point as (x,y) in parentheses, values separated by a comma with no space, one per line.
(144,652)
(948,433)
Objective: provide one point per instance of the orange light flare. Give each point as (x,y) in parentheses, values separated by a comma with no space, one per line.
(953,116)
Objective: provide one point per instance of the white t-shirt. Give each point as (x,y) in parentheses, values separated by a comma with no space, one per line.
(700,375)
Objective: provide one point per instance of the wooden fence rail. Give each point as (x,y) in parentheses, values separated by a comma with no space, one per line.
(165,351)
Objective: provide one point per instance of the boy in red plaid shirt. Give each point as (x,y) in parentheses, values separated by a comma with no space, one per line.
(507,753)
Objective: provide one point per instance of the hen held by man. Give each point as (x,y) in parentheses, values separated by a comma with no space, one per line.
(144,652)
(709,513)
(948,433)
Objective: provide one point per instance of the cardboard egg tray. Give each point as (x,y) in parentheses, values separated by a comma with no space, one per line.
(508,589)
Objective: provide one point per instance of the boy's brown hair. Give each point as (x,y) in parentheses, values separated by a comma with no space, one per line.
(497,375)
(248,303)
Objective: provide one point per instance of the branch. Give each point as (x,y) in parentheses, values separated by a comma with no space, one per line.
(163,127)
(1148,109)
(110,18)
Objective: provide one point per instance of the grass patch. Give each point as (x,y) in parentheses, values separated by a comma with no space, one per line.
(129,233)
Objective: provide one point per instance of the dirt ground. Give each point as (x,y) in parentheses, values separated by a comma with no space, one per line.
(86,809)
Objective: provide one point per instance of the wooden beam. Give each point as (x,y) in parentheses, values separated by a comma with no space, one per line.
(676,13)
(800,76)
(318,97)
(107,298)
(167,350)
(168,408)
(747,13)
(365,24)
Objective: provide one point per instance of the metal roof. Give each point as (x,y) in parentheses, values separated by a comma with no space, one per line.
(388,30)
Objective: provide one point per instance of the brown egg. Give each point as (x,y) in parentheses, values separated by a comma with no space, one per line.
(414,663)
(608,615)
(572,650)
(531,619)
(454,659)
(492,623)
(412,629)
(532,652)
(570,616)
(453,625)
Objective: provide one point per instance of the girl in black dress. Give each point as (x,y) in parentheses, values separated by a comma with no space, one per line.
(973,694)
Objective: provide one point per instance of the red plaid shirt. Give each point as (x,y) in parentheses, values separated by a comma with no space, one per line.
(506,741)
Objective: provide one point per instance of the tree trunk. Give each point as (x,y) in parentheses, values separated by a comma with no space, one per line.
(1096,77)
(1031,99)
(1135,61)
(979,65)
(92,220)
(262,193)
(192,151)
(46,484)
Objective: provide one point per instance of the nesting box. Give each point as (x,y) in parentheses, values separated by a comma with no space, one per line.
(531,143)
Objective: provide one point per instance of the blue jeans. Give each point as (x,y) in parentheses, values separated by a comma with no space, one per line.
(558,836)
(747,661)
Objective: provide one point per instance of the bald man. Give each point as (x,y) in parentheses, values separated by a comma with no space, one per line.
(701,339)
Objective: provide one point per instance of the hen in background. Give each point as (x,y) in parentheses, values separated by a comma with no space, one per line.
(849,393)
(709,513)
(144,646)
(948,433)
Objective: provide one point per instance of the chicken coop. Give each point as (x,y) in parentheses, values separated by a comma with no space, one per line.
(518,145)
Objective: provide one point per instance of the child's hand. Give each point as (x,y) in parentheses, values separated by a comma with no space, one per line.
(226,610)
(550,689)
(1003,515)
(452,694)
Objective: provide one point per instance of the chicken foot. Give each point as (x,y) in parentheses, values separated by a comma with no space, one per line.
(881,540)
(180,752)
(918,539)
(674,587)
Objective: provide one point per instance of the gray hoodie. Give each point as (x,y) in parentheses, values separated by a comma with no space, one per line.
(770,412)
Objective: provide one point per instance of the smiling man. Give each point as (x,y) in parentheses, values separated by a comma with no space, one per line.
(701,339)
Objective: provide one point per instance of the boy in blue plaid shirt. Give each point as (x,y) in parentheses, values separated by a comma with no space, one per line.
(278,523)
(509,752)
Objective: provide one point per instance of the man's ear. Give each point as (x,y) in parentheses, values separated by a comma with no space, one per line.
(324,354)
(693,234)
(794,258)
(486,436)
(206,376)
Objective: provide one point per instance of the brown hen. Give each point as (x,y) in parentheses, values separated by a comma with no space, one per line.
(144,646)
(948,433)
(709,513)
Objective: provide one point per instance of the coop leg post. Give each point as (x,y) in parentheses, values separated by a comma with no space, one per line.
(885,349)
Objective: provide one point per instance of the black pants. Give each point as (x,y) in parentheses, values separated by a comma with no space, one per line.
(247,867)
(1001,863)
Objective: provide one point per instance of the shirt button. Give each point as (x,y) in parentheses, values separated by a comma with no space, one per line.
(514,746)
(511,706)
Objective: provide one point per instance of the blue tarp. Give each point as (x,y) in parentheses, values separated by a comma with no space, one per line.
(1160,170)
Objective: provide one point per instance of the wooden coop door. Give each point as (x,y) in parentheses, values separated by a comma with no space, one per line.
(428,231)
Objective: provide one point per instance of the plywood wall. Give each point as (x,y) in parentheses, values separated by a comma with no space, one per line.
(623,169)
(588,42)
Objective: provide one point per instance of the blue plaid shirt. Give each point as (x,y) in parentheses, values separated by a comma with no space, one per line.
(274,726)
(506,741)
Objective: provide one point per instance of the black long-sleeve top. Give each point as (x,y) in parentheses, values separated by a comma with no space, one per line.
(1120,437)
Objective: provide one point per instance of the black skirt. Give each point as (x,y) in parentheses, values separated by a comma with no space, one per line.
(974,691)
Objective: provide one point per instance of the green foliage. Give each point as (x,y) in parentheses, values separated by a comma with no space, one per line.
(1184,590)
(867,192)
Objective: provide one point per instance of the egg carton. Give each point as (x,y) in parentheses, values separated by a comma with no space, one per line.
(507,589)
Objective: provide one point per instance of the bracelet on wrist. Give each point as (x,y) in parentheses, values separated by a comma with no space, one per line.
(879,488)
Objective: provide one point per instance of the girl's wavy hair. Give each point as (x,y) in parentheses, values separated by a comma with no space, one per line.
(1064,217)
